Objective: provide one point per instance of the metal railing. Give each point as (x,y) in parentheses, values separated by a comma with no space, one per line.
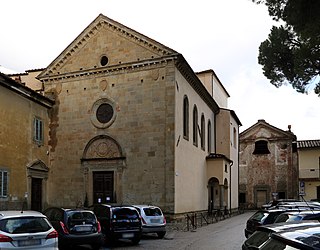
(199,219)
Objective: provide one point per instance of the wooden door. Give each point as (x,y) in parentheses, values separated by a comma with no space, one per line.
(103,188)
(36,194)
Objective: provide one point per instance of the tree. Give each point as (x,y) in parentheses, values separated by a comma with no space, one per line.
(291,54)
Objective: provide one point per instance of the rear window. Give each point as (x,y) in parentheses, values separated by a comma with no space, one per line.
(288,217)
(123,213)
(24,225)
(78,217)
(153,211)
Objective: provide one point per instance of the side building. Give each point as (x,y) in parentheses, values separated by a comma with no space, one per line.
(309,168)
(24,133)
(268,164)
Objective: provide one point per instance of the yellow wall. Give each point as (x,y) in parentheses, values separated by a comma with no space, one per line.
(17,148)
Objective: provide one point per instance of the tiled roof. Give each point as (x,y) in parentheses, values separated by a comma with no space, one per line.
(308,144)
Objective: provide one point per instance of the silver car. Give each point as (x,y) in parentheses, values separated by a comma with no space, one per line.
(26,230)
(152,219)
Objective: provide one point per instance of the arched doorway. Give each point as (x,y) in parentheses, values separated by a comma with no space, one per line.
(213,194)
(103,164)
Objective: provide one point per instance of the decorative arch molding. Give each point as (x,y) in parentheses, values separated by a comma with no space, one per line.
(37,169)
(102,147)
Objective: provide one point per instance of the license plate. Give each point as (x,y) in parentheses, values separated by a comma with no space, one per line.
(127,235)
(155,220)
(83,228)
(23,243)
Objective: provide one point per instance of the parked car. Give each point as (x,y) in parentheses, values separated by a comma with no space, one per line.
(298,216)
(302,205)
(153,220)
(261,217)
(263,233)
(26,230)
(119,222)
(305,238)
(75,227)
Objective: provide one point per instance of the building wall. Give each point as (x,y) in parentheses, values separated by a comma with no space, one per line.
(309,172)
(143,127)
(190,160)
(17,148)
(267,173)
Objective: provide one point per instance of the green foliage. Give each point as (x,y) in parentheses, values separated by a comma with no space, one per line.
(291,54)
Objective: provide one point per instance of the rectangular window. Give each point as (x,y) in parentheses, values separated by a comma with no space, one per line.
(3,183)
(38,130)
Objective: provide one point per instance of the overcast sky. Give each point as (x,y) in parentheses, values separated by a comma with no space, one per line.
(223,35)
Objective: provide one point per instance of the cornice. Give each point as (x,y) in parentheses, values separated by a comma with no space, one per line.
(196,84)
(115,69)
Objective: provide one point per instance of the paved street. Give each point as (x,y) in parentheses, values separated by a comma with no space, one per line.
(227,234)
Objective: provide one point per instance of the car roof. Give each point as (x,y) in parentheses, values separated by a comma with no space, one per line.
(19,213)
(282,226)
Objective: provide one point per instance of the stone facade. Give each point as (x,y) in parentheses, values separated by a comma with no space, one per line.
(268,164)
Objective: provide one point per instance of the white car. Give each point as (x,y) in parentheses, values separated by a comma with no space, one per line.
(152,219)
(28,230)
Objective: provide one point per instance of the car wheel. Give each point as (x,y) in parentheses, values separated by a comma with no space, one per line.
(135,241)
(161,234)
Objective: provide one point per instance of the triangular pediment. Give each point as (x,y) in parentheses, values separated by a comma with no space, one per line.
(263,130)
(108,39)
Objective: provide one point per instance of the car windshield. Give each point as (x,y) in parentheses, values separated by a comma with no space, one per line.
(259,216)
(123,213)
(24,225)
(152,211)
(257,238)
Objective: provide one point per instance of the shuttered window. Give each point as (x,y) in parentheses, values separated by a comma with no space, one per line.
(3,183)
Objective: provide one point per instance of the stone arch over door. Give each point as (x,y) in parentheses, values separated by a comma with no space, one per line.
(37,174)
(104,160)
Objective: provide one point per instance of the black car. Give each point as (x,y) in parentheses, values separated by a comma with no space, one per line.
(263,233)
(261,217)
(119,222)
(75,227)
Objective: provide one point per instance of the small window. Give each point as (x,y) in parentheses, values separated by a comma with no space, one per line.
(104,60)
(3,183)
(203,133)
(209,136)
(261,147)
(234,138)
(186,118)
(38,130)
(195,126)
